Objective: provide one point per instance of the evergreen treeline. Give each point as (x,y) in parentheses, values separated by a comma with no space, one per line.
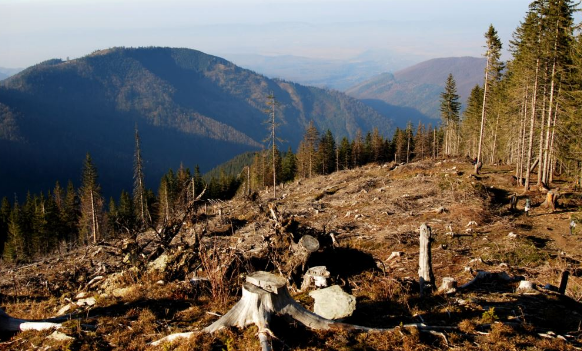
(62,218)
(527,112)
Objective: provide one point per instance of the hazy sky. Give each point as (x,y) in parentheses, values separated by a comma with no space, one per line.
(32,31)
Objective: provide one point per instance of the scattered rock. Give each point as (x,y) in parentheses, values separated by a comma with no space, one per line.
(512,235)
(121,292)
(333,303)
(159,264)
(58,336)
(90,301)
(525,286)
(64,310)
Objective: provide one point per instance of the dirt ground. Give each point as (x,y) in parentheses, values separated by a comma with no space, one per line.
(372,212)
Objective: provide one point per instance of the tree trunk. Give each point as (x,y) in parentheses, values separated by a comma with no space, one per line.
(531,128)
(12,325)
(426,276)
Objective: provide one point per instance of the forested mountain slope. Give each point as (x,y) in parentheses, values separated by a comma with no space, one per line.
(419,86)
(189,107)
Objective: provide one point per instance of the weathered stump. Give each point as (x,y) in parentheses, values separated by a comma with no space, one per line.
(315,276)
(265,294)
(563,282)
(513,202)
(426,276)
(448,286)
(551,199)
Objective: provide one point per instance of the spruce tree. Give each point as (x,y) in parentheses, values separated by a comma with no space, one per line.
(5,210)
(450,108)
(493,70)
(90,221)
(139,190)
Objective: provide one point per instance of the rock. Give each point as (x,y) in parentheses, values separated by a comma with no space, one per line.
(58,336)
(121,292)
(159,264)
(512,235)
(525,286)
(90,301)
(64,310)
(333,303)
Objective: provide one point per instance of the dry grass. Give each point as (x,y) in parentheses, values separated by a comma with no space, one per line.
(372,211)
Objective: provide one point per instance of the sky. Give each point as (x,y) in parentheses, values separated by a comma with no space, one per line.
(32,31)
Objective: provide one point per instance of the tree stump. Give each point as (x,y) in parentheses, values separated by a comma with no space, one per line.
(551,199)
(563,282)
(265,294)
(315,276)
(513,202)
(448,286)
(426,276)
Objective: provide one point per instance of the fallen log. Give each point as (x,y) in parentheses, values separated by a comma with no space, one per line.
(11,325)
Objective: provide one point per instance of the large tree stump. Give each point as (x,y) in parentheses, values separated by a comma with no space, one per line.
(551,199)
(426,276)
(265,294)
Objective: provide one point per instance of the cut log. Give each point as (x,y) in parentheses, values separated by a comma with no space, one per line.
(12,325)
(315,276)
(426,276)
(448,286)
(484,275)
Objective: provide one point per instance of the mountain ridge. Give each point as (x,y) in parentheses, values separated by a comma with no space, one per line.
(190,108)
(420,85)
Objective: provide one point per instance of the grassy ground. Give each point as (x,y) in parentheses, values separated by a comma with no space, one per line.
(372,212)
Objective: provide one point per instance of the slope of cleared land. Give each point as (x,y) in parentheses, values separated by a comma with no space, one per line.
(372,212)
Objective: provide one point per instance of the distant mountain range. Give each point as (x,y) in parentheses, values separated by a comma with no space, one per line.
(190,108)
(414,93)
(332,74)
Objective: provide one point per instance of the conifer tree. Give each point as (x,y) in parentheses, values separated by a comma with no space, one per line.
(273,124)
(139,190)
(326,153)
(345,153)
(450,108)
(307,150)
(69,215)
(288,166)
(5,210)
(493,70)
(470,125)
(90,221)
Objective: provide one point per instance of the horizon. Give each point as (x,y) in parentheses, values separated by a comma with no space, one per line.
(397,35)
